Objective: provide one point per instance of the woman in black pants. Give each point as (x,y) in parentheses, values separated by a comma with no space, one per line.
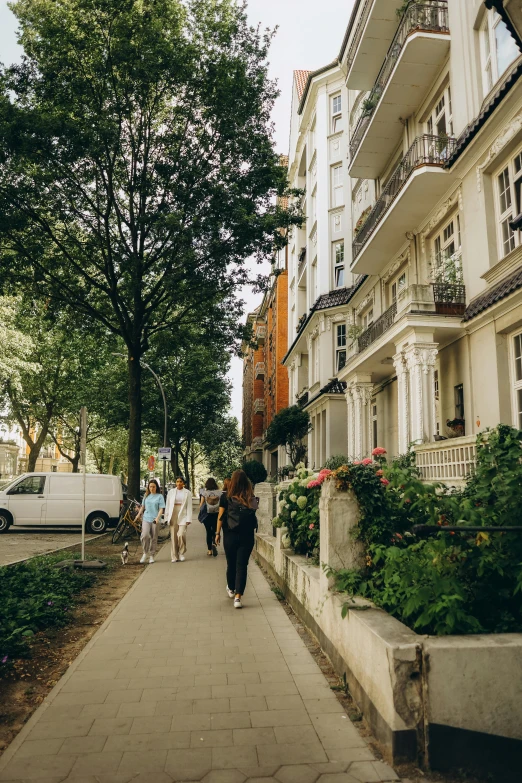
(238,507)
(208,512)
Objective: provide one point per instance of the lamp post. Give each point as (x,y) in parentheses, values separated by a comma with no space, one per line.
(156,378)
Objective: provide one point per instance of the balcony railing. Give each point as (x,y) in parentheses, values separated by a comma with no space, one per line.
(448,461)
(427,16)
(259,405)
(301,262)
(450,298)
(259,370)
(425,151)
(300,323)
(381,325)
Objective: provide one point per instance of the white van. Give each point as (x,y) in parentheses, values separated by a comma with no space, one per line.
(57,499)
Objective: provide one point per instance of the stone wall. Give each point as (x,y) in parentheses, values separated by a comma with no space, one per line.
(444,702)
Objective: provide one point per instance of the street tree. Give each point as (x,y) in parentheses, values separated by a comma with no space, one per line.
(16,347)
(137,168)
(288,428)
(224,455)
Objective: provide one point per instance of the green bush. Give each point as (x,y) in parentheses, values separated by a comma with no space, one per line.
(298,510)
(255,471)
(332,463)
(453,583)
(35,596)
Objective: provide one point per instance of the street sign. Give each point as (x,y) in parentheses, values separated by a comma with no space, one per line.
(164,453)
(151,463)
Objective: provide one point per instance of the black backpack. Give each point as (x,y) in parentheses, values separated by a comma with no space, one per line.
(239,515)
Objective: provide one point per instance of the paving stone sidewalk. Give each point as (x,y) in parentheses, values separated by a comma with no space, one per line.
(179,686)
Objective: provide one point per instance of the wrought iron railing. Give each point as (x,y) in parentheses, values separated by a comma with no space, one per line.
(300,323)
(425,151)
(428,16)
(450,298)
(381,325)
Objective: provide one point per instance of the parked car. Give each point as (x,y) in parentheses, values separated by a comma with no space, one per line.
(56,499)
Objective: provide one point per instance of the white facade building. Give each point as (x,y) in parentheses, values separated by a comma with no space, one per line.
(425,329)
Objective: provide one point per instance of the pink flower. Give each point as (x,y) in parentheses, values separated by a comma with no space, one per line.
(367,461)
(398,535)
(356,462)
(379,451)
(313,484)
(378,472)
(385,481)
(324,472)
(311,526)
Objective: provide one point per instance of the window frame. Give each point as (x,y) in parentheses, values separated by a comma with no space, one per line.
(516,385)
(341,343)
(434,117)
(336,116)
(507,238)
(440,245)
(364,317)
(339,268)
(394,283)
(374,422)
(489,51)
(337,187)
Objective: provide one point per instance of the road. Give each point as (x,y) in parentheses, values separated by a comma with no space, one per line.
(22,542)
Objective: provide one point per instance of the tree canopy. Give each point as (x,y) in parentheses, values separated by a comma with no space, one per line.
(137,169)
(288,428)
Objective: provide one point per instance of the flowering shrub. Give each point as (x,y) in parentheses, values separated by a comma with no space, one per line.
(450,583)
(298,510)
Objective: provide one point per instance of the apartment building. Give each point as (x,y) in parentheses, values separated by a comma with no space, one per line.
(435,133)
(265,380)
(321,284)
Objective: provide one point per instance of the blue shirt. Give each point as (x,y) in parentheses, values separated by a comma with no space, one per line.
(152,504)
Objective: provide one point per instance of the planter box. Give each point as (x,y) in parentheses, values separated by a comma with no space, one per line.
(444,702)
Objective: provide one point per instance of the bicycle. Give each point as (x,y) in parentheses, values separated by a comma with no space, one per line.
(129,525)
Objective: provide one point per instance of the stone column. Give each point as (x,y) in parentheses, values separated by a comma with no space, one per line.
(339,514)
(401,368)
(266,493)
(420,359)
(362,395)
(350,422)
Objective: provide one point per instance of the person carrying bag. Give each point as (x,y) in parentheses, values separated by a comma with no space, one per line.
(238,506)
(208,512)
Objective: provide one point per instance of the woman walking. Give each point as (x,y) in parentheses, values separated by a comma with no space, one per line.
(208,512)
(179,514)
(237,507)
(151,511)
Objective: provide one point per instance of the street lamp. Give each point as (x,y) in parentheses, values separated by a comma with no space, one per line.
(156,378)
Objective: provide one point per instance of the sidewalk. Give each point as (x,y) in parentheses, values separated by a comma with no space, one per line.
(177,685)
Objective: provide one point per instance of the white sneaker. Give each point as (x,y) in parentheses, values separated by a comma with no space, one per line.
(230,593)
(182,557)
(237,603)
(151,559)
(174,560)
(143,559)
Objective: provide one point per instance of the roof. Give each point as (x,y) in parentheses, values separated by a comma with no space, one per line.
(339,296)
(471,130)
(495,294)
(300,78)
(311,75)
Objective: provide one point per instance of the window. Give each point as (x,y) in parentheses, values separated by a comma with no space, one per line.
(498,49)
(33,485)
(315,360)
(509,203)
(340,347)
(436,395)
(337,186)
(336,113)
(338,256)
(440,120)
(447,255)
(314,205)
(367,319)
(374,425)
(517,379)
(459,401)
(398,285)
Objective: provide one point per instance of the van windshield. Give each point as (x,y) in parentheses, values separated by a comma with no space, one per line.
(5,485)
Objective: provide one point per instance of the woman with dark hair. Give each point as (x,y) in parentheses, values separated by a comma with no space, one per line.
(151,511)
(238,505)
(208,512)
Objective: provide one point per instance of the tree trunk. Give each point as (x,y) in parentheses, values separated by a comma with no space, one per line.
(192,469)
(186,469)
(34,451)
(111,465)
(135,415)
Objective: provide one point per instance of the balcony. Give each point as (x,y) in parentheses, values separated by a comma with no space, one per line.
(370,41)
(261,334)
(415,187)
(381,325)
(416,55)
(259,370)
(259,405)
(448,461)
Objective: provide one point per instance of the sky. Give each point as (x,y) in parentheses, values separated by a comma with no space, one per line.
(309,36)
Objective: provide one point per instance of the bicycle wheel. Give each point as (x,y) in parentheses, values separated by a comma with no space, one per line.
(119,530)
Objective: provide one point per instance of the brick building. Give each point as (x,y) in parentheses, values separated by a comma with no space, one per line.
(265,380)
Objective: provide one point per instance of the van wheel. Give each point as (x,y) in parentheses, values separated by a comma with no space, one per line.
(5,521)
(97,523)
